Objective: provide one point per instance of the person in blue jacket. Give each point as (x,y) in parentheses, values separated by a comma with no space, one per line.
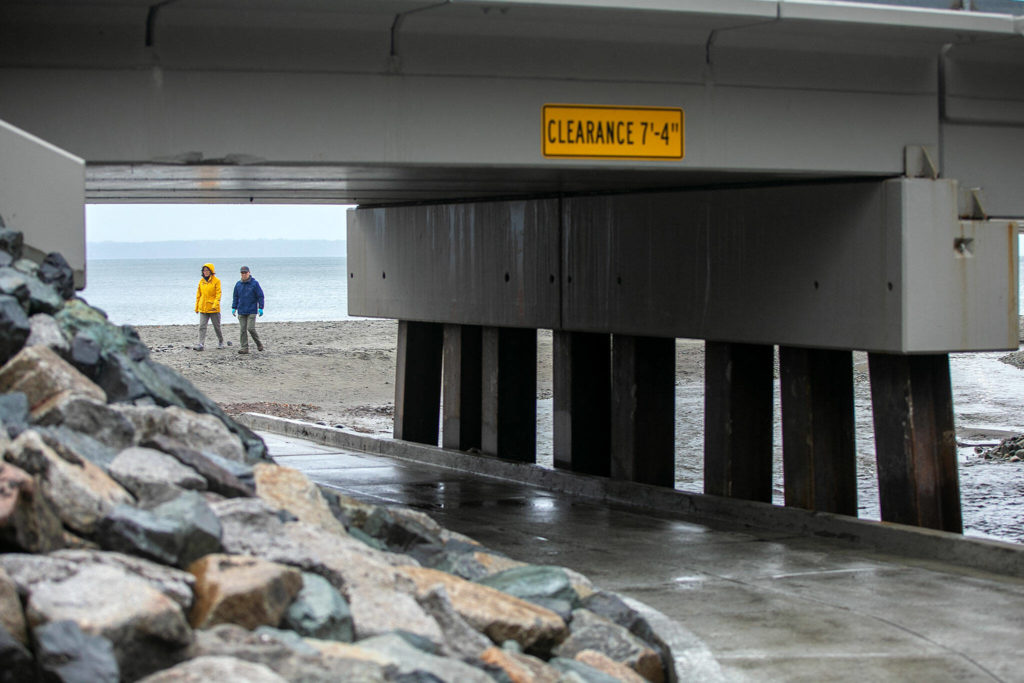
(246,304)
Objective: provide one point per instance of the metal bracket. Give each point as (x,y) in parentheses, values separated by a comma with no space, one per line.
(919,161)
(971,204)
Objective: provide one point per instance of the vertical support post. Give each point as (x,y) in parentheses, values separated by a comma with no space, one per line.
(582,402)
(738,420)
(509,402)
(643,409)
(915,441)
(819,456)
(461,387)
(418,381)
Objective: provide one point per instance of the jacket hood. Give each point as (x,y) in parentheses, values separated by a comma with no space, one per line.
(210,266)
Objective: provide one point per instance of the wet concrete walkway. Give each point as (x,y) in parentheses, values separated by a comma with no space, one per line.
(746,604)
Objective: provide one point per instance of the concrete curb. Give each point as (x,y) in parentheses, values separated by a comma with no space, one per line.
(905,541)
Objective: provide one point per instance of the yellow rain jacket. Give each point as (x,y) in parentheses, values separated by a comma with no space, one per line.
(208,294)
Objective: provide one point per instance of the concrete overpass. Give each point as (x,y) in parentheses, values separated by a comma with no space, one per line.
(817,176)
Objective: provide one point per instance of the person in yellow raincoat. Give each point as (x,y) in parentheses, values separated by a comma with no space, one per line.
(208,306)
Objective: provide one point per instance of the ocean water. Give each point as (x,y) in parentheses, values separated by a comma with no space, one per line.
(159,291)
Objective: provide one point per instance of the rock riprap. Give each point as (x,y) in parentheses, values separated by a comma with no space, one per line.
(145,535)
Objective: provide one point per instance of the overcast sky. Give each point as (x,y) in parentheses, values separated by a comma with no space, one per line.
(160,222)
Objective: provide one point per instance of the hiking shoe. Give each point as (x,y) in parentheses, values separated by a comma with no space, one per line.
(243,350)
(197,347)
(220,345)
(259,347)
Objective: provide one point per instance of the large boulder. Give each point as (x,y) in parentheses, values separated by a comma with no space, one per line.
(243,590)
(152,475)
(498,615)
(319,611)
(28,570)
(80,492)
(46,332)
(27,520)
(11,242)
(289,656)
(45,378)
(203,433)
(12,618)
(69,655)
(55,270)
(211,668)
(88,416)
(176,532)
(593,632)
(14,326)
(289,489)
(146,628)
(218,472)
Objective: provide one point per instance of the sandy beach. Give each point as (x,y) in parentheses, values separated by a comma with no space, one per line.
(334,372)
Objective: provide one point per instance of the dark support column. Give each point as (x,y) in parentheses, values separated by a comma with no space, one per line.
(817,429)
(643,409)
(509,413)
(418,381)
(582,402)
(461,387)
(738,420)
(915,441)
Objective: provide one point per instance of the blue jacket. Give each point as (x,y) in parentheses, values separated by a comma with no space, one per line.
(247,297)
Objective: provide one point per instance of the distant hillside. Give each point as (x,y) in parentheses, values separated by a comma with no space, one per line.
(212,249)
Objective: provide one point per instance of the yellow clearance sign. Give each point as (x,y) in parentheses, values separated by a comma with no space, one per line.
(578,131)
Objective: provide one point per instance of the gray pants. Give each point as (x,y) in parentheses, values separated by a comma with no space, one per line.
(205,318)
(247,323)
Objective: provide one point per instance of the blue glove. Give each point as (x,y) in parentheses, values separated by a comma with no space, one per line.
(261,311)
(233,311)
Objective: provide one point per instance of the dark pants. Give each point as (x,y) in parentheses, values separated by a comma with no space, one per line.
(247,323)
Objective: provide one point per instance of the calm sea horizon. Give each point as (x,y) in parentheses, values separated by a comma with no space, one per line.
(155,291)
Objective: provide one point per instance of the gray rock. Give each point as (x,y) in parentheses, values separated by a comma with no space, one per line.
(319,611)
(25,265)
(547,586)
(55,270)
(146,628)
(461,640)
(12,618)
(28,570)
(209,668)
(14,327)
(398,533)
(46,332)
(578,672)
(11,241)
(80,492)
(17,663)
(90,417)
(68,655)
(85,353)
(590,631)
(203,433)
(5,259)
(14,284)
(611,606)
(218,479)
(27,521)
(14,413)
(74,446)
(280,652)
(413,662)
(175,533)
(151,474)
(43,297)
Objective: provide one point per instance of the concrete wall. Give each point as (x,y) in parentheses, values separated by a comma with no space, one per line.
(42,194)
